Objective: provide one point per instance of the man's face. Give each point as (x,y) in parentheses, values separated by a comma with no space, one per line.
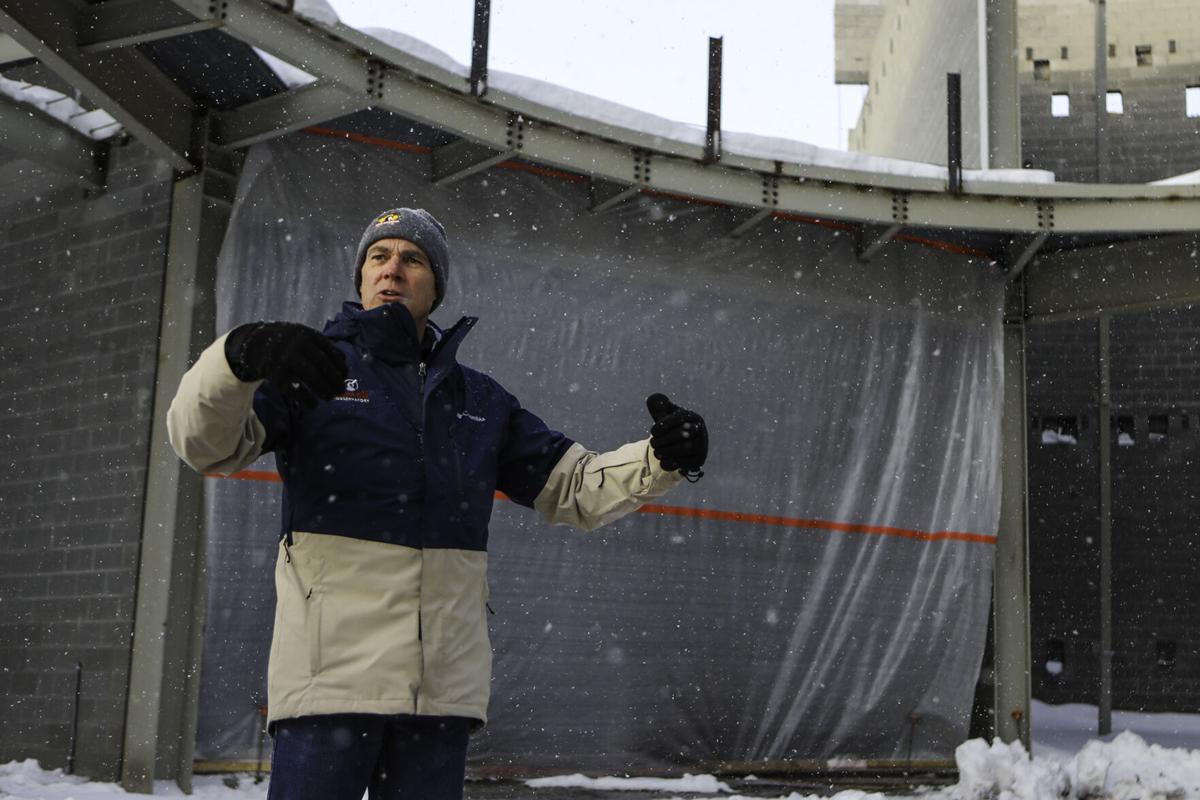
(398,271)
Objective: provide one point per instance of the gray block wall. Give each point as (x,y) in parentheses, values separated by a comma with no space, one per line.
(1153,139)
(80,291)
(1156,482)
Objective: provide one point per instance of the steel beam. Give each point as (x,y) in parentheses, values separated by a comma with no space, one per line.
(1021,251)
(124,83)
(1132,276)
(28,132)
(10,51)
(603,195)
(954,153)
(1103,364)
(400,83)
(123,23)
(870,239)
(712,130)
(282,113)
(751,222)
(162,702)
(479,47)
(457,160)
(1011,577)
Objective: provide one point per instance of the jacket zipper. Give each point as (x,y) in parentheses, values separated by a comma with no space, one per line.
(421,369)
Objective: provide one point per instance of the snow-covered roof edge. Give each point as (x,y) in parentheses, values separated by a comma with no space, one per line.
(557,102)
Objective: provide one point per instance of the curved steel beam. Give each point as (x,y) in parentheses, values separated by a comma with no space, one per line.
(432,95)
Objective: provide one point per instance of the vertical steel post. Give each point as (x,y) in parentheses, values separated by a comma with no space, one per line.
(712,134)
(1011,580)
(161,706)
(1101,100)
(479,47)
(1105,424)
(954,132)
(1003,88)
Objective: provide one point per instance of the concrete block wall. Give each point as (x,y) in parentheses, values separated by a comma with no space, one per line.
(79,316)
(1156,479)
(1153,139)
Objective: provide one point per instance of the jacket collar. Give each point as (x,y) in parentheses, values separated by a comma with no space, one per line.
(389,334)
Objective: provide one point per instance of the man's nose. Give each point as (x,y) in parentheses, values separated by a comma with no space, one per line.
(392,268)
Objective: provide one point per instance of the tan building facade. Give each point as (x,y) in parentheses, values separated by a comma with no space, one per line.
(1152,60)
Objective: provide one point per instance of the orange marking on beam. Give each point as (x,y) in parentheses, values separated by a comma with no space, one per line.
(363,138)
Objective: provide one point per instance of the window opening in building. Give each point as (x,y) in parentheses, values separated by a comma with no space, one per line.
(1060,105)
(1112,51)
(1170,45)
(1164,652)
(1125,437)
(1041,69)
(1029,54)
(1064,54)
(1060,430)
(1183,421)
(1157,432)
(1192,99)
(1114,102)
(1145,57)
(1056,656)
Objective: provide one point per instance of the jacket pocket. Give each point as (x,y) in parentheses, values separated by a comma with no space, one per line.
(313,628)
(301,606)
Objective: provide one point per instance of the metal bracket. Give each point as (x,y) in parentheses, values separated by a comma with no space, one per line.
(1022,249)
(604,194)
(376,70)
(457,160)
(770,202)
(218,10)
(123,23)
(870,239)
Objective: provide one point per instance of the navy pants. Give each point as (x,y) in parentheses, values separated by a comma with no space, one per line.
(341,756)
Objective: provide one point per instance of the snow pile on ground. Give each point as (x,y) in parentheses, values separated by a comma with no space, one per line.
(695,784)
(26,780)
(1125,768)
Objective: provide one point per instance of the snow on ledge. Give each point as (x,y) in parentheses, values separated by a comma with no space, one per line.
(606,112)
(97,124)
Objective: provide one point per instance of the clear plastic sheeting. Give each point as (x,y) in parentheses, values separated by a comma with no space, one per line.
(822,592)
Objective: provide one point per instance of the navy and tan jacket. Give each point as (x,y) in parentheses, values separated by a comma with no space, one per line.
(381,577)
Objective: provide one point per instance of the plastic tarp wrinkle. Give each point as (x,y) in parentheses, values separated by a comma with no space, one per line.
(837,610)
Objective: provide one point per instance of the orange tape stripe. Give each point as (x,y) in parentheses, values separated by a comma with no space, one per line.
(733,516)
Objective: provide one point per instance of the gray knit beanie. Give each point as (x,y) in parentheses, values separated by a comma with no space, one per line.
(417,226)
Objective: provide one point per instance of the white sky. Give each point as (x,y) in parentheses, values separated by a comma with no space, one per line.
(653,54)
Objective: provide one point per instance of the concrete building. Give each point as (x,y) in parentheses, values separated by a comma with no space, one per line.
(1151,130)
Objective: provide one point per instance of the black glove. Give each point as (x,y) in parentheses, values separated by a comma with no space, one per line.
(299,361)
(678,437)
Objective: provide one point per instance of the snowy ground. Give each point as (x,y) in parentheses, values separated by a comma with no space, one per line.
(1153,757)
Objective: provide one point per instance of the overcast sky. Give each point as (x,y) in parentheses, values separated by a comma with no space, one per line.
(653,54)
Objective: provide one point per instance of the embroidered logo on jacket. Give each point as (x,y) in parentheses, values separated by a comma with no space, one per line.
(472,417)
(353,394)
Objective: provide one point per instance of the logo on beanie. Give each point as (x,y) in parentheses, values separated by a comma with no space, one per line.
(386,218)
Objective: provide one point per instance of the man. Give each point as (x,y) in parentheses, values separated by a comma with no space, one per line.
(390,454)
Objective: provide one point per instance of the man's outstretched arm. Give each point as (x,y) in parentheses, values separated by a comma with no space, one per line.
(212,423)
(588,489)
